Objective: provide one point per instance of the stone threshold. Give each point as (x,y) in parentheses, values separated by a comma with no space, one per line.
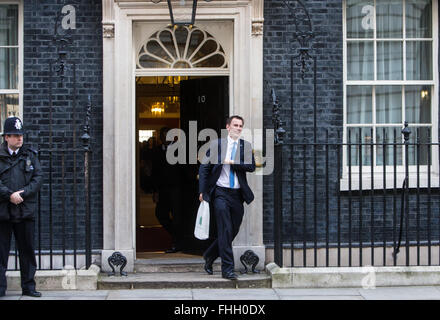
(164,280)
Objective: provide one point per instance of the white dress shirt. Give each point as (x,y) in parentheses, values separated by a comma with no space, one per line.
(223,180)
(12,151)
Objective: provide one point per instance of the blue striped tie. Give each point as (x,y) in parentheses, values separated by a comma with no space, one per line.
(231,172)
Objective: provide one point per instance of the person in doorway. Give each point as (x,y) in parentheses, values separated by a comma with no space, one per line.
(147,158)
(143,165)
(20,181)
(223,183)
(167,184)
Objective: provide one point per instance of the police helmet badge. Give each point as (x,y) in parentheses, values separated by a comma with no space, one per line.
(13,125)
(18,124)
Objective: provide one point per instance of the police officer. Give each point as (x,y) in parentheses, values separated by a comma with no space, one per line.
(20,181)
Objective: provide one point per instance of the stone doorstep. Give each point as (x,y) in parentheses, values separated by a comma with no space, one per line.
(66,279)
(353,277)
(181,280)
(178,273)
(150,267)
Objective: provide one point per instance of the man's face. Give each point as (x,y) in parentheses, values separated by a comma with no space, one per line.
(14,141)
(235,128)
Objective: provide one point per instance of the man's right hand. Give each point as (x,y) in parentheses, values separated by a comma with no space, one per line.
(16,197)
(155,197)
(201,197)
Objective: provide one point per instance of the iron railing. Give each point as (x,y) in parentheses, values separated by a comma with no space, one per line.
(336,204)
(63,218)
(63,221)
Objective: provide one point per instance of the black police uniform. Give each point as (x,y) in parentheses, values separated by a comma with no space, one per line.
(18,172)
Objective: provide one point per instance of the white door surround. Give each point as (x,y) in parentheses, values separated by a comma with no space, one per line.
(245,69)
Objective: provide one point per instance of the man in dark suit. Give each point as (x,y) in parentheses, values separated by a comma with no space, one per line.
(223,183)
(167,185)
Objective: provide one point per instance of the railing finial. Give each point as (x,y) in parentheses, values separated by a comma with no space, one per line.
(406,131)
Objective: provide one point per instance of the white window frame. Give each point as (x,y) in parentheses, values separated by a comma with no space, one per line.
(19,89)
(378,169)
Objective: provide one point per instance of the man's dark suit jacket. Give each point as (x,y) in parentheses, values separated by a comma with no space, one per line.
(164,175)
(211,168)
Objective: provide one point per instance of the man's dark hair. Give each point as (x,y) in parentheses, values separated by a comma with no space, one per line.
(229,120)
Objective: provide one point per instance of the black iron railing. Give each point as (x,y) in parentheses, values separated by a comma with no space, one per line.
(349,198)
(63,218)
(336,204)
(63,234)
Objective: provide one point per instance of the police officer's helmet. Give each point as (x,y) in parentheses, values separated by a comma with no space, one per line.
(13,125)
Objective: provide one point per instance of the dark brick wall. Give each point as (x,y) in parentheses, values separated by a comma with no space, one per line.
(84,50)
(279,48)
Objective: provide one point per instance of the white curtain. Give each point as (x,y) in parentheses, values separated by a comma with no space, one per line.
(359,104)
(360,63)
(8,56)
(389,24)
(388,104)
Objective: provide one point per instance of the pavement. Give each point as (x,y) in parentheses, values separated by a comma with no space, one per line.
(379,293)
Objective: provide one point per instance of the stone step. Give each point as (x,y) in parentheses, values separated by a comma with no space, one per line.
(172,265)
(168,280)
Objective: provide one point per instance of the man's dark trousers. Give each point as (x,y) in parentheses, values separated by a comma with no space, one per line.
(170,200)
(24,239)
(228,210)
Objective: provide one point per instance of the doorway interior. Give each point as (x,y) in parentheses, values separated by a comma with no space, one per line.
(173,101)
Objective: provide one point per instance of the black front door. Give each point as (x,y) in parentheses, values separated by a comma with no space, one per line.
(206,101)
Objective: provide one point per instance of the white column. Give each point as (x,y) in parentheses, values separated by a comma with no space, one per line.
(251,70)
(118,138)
(108,27)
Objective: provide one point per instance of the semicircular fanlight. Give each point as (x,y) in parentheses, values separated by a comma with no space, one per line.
(181,48)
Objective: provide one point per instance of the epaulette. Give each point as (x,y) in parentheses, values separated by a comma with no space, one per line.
(33,150)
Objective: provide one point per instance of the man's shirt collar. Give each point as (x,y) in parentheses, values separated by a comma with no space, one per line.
(230,140)
(12,151)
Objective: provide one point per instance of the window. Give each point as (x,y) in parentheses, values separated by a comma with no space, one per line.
(390,77)
(10,60)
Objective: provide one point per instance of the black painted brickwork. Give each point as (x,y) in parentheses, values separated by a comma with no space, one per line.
(279,47)
(86,51)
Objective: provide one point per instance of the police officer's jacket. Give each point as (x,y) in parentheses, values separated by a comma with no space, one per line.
(21,172)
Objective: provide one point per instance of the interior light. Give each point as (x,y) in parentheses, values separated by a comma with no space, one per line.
(158,108)
(173,99)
